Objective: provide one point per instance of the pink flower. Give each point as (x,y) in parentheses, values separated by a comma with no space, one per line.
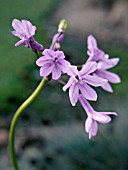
(79,80)
(52,62)
(91,125)
(25,31)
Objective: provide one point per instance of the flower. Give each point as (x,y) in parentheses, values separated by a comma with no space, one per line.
(103,63)
(91,125)
(25,31)
(79,80)
(52,62)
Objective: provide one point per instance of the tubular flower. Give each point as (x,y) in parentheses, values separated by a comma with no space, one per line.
(79,80)
(25,31)
(94,117)
(52,62)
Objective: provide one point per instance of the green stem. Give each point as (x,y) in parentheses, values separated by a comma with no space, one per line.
(16,118)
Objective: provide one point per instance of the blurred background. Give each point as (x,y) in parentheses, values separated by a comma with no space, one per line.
(50,134)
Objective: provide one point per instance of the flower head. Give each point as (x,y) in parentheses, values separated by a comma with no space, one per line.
(25,31)
(79,80)
(91,125)
(52,62)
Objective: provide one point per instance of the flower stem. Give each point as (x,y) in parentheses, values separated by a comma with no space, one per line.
(16,118)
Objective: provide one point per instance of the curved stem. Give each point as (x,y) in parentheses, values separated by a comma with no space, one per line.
(16,118)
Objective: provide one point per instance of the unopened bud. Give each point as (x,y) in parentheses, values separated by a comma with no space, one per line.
(62,26)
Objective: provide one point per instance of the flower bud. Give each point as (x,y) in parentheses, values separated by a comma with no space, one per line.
(62,26)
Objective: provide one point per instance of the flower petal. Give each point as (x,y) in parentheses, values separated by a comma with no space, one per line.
(73,94)
(94,128)
(91,42)
(72,71)
(88,67)
(18,26)
(29,28)
(50,54)
(88,92)
(111,77)
(107,65)
(17,34)
(42,61)
(88,123)
(63,65)
(20,43)
(60,54)
(46,69)
(102,118)
(69,83)
(56,72)
(94,80)
(107,87)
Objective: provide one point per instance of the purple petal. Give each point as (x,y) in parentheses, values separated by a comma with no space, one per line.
(88,68)
(69,83)
(94,128)
(46,69)
(112,63)
(98,116)
(97,55)
(42,61)
(73,94)
(63,65)
(29,28)
(88,92)
(56,73)
(72,71)
(20,43)
(50,54)
(18,26)
(17,34)
(94,80)
(88,123)
(92,44)
(112,77)
(59,54)
(107,87)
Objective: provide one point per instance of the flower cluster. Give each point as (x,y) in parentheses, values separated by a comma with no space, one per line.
(94,72)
